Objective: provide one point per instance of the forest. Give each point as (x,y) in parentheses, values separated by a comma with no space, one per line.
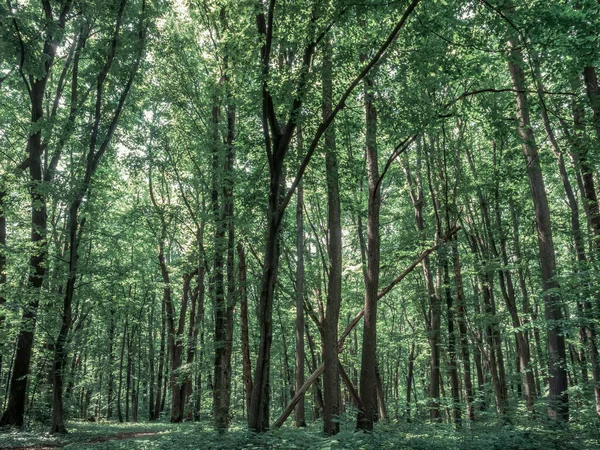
(300,224)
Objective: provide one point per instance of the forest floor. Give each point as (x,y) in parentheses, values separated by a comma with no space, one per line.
(393,436)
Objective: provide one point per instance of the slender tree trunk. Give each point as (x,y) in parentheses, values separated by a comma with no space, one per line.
(368,379)
(434,317)
(130,370)
(381,407)
(75,230)
(111,379)
(161,364)
(13,415)
(462,330)
(3,194)
(151,366)
(456,414)
(122,357)
(409,379)
(331,377)
(318,393)
(299,412)
(559,400)
(224,304)
(246,363)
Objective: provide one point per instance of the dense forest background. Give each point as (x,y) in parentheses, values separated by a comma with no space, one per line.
(338,211)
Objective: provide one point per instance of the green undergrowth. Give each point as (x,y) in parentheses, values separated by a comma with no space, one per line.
(390,436)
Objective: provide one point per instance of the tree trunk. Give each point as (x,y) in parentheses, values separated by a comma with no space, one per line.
(331,377)
(462,330)
(224,304)
(75,230)
(3,194)
(454,387)
(559,400)
(161,365)
(111,378)
(409,378)
(151,366)
(122,357)
(433,322)
(368,378)
(299,412)
(593,93)
(13,415)
(246,362)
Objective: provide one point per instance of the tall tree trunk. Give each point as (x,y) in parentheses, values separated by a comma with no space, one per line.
(368,378)
(111,378)
(489,255)
(331,377)
(75,230)
(409,379)
(454,384)
(246,362)
(122,357)
(299,411)
(151,364)
(434,317)
(129,373)
(3,195)
(462,330)
(588,331)
(559,400)
(224,304)
(15,410)
(13,415)
(161,363)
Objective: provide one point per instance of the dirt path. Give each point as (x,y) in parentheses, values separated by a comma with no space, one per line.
(114,437)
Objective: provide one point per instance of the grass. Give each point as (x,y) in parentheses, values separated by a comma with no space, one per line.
(396,436)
